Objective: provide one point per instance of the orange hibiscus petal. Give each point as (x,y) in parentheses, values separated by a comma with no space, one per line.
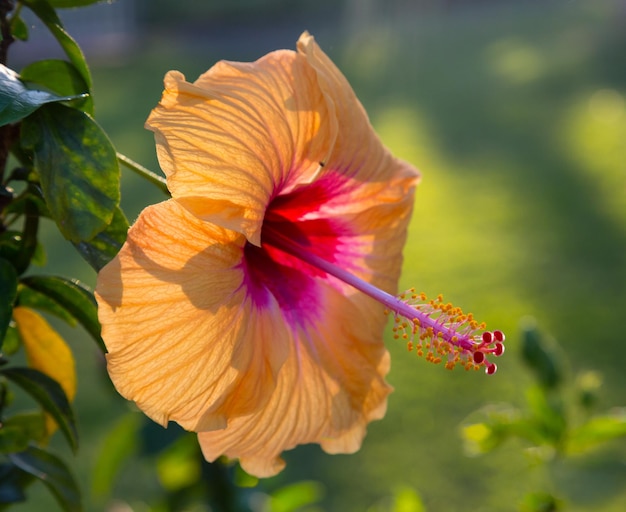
(243,130)
(184,340)
(358,154)
(329,388)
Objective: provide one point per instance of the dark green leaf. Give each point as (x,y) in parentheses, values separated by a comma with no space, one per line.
(28,242)
(60,77)
(31,199)
(77,167)
(73,297)
(105,245)
(33,299)
(19,28)
(20,430)
(71,3)
(47,14)
(16,101)
(8,292)
(12,484)
(19,248)
(541,357)
(10,242)
(49,394)
(54,474)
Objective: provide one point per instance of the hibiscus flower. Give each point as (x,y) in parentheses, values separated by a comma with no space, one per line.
(249,306)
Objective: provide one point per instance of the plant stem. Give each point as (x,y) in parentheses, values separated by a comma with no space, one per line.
(144,172)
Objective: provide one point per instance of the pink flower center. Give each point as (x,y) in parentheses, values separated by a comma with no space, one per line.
(273,272)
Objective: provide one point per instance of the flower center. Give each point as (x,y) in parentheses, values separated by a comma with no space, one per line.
(274,274)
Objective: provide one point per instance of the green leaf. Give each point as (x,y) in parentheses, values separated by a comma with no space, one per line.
(60,77)
(8,292)
(53,473)
(120,443)
(10,243)
(17,247)
(28,238)
(178,466)
(12,341)
(548,415)
(407,499)
(31,202)
(20,430)
(105,245)
(40,257)
(478,438)
(45,12)
(596,431)
(295,496)
(541,501)
(74,297)
(71,3)
(495,424)
(77,167)
(541,357)
(33,299)
(17,101)
(19,30)
(49,394)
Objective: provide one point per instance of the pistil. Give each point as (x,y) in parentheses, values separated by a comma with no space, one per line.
(434,329)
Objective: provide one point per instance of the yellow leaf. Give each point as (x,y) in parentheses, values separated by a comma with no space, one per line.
(47,352)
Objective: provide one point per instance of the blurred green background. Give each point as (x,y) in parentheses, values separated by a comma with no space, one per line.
(515,112)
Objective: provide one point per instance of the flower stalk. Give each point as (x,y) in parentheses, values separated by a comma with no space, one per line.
(144,172)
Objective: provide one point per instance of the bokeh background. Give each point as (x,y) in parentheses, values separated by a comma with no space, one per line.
(515,112)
